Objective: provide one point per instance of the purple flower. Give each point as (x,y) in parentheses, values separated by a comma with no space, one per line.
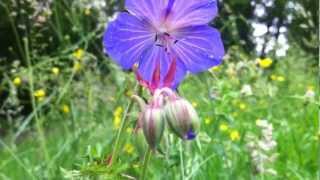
(165,39)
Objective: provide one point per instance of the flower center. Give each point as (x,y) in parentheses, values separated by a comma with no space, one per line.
(164,39)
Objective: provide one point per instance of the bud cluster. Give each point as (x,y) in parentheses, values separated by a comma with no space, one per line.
(167,107)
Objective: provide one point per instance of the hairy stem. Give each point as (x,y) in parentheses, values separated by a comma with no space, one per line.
(146,163)
(39,126)
(124,121)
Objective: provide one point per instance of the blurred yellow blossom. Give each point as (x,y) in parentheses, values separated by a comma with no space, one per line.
(223,127)
(17,81)
(194,104)
(207,121)
(87,11)
(39,94)
(116,122)
(117,115)
(78,54)
(77,66)
(129,93)
(242,106)
(129,130)
(65,109)
(235,114)
(281,78)
(118,111)
(55,71)
(215,69)
(136,165)
(273,77)
(310,88)
(129,148)
(265,63)
(234,135)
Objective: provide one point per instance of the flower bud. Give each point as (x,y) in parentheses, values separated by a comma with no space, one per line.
(182,118)
(153,125)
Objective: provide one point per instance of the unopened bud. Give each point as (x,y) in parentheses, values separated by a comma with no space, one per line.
(182,118)
(153,125)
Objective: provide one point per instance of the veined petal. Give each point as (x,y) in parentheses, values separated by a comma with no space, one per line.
(147,9)
(199,47)
(192,12)
(126,38)
(160,69)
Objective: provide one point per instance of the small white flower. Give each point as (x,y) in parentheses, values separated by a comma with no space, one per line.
(309,95)
(246,90)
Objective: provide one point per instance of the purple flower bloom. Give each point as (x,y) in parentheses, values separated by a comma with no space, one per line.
(166,39)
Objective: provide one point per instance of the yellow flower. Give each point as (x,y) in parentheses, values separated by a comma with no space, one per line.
(55,71)
(136,166)
(281,78)
(234,135)
(129,148)
(77,66)
(17,81)
(235,114)
(273,77)
(65,108)
(39,94)
(129,130)
(87,11)
(223,127)
(215,69)
(129,93)
(265,63)
(78,54)
(242,106)
(116,122)
(208,121)
(194,104)
(310,88)
(118,111)
(117,114)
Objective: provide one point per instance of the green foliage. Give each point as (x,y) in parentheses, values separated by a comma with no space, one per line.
(69,131)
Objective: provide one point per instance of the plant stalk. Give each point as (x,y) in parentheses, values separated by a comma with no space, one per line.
(124,121)
(146,160)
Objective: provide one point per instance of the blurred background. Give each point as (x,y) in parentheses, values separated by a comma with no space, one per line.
(60,95)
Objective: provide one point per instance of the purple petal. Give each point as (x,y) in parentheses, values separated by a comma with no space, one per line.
(181,72)
(150,59)
(147,9)
(156,57)
(199,47)
(192,12)
(126,39)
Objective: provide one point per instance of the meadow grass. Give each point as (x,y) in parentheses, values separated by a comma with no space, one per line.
(75,143)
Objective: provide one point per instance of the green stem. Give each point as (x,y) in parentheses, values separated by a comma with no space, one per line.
(146,163)
(39,127)
(181,162)
(124,121)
